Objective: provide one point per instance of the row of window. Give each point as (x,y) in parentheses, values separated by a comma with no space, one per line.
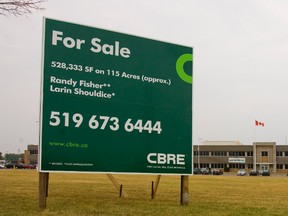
(280,154)
(282,166)
(237,153)
(222,166)
(234,166)
(224,153)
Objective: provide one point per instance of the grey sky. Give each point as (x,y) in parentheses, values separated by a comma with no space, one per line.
(240,62)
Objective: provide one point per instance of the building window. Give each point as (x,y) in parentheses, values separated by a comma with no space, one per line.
(250,154)
(201,153)
(237,153)
(219,166)
(33,151)
(218,153)
(204,153)
(286,154)
(286,166)
(279,154)
(279,166)
(264,153)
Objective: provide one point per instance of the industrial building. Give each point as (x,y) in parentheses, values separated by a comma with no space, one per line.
(31,154)
(233,155)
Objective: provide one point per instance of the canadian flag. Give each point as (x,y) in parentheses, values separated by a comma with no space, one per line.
(258,123)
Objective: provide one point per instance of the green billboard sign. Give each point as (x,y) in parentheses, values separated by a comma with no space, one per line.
(113,102)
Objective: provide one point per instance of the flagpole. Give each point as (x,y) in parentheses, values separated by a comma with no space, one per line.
(257,123)
(255,139)
(254,131)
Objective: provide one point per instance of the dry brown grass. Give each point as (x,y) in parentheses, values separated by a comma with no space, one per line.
(94,194)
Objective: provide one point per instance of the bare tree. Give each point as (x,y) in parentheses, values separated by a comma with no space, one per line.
(19,7)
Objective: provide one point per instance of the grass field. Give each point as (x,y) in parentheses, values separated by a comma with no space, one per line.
(94,194)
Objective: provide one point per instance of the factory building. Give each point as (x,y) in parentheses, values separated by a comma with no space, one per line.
(233,155)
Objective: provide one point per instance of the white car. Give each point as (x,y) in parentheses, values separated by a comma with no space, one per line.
(241,172)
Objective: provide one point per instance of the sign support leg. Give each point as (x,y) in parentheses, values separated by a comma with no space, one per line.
(154,190)
(117,185)
(184,190)
(43,189)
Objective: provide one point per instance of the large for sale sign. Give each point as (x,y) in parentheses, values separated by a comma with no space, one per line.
(113,102)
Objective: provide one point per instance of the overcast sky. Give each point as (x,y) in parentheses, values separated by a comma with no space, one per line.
(240,62)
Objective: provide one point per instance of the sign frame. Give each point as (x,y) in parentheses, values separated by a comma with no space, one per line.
(157,157)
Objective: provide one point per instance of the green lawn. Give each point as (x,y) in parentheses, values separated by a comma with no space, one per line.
(94,194)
